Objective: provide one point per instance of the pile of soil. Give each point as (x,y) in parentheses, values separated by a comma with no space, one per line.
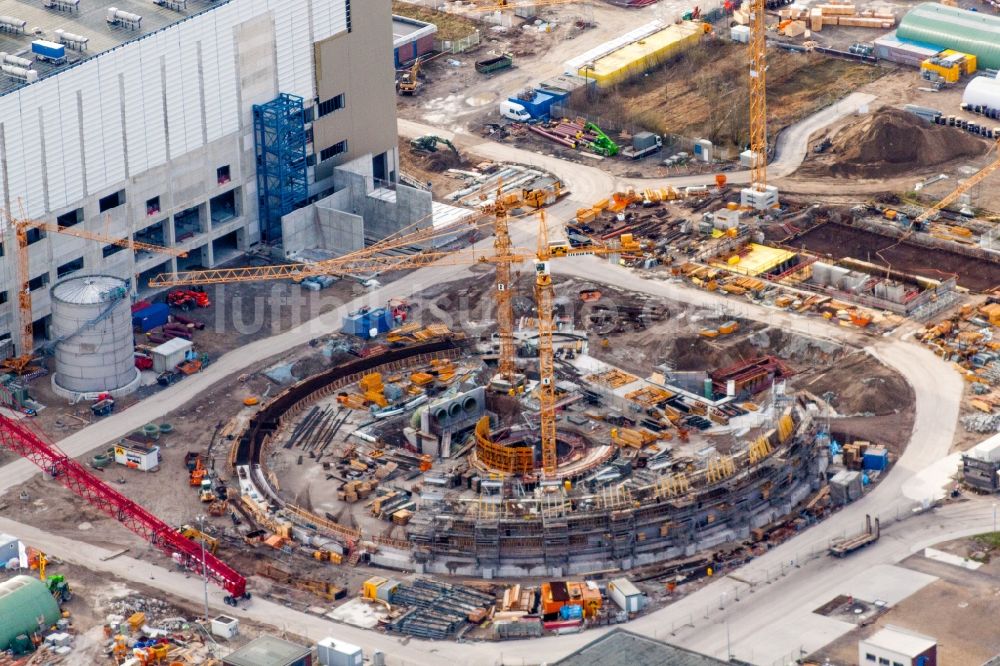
(892,142)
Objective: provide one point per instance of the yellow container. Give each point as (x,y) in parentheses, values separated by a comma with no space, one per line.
(640,56)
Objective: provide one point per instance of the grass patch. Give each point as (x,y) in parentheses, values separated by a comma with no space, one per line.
(990,540)
(450,26)
(704,93)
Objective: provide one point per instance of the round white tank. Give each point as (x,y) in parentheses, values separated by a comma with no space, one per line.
(982,91)
(92,331)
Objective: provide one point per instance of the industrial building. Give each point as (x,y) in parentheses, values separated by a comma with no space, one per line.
(946,27)
(624,648)
(981,466)
(411,39)
(25,606)
(149,122)
(897,647)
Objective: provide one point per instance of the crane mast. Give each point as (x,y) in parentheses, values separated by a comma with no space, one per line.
(16,437)
(758,96)
(546,359)
(26,354)
(504,299)
(759,195)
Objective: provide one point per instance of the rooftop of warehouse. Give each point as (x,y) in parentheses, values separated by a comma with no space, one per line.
(757,259)
(623,648)
(90,20)
(405,28)
(265,651)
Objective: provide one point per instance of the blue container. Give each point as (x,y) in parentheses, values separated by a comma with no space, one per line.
(538,106)
(149,318)
(48,50)
(364,324)
(571,613)
(876,460)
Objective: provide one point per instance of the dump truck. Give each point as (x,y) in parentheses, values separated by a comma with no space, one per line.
(495,63)
(844,547)
(643,143)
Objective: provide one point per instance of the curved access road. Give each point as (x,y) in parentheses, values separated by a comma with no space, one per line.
(694,620)
(590,183)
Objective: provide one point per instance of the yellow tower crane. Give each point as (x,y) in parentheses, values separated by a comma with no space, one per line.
(546,356)
(21,363)
(964,187)
(504,257)
(758,195)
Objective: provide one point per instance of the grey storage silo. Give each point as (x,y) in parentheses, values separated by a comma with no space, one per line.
(25,606)
(92,331)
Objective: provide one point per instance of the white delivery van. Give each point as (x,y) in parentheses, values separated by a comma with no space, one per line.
(514,111)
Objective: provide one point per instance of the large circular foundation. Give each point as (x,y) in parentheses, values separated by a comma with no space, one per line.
(519,452)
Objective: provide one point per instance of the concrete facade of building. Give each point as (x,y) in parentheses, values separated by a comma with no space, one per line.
(149,133)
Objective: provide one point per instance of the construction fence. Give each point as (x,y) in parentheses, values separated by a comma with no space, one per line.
(458,45)
(672,143)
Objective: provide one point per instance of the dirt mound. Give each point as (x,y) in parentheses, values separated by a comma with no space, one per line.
(891,142)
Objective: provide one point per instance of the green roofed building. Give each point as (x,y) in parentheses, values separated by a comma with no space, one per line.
(974,33)
(25,606)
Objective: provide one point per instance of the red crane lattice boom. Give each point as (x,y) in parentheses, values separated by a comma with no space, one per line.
(20,439)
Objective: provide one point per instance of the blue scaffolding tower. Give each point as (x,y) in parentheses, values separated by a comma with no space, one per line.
(280,146)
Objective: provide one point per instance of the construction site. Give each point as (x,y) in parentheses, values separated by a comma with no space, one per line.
(568,314)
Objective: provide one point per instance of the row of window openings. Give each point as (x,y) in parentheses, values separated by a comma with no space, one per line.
(116,199)
(881,660)
(222,177)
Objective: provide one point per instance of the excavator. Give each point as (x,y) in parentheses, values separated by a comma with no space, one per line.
(408,82)
(196,535)
(429,144)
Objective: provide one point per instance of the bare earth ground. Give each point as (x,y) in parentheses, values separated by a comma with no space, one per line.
(959,610)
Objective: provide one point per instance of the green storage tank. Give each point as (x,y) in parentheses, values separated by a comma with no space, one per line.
(23,601)
(976,33)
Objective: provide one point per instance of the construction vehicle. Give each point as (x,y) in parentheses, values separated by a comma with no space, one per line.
(22,363)
(408,82)
(320,588)
(844,547)
(643,143)
(205,492)
(495,63)
(218,508)
(188,299)
(59,588)
(197,474)
(429,143)
(57,585)
(602,145)
(196,535)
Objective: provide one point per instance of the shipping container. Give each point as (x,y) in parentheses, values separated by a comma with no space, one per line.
(333,652)
(150,317)
(876,459)
(46,50)
(641,56)
(626,595)
(538,105)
